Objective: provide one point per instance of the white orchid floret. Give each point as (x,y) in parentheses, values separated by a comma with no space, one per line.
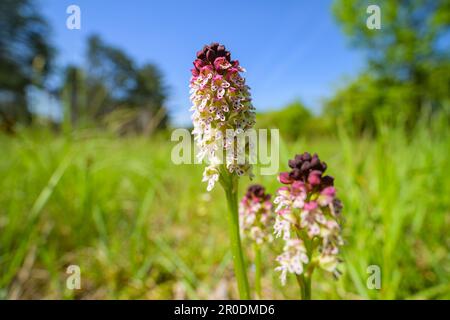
(293,259)
(282,227)
(211,175)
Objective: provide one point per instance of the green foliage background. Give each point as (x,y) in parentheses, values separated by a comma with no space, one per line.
(87,192)
(141,227)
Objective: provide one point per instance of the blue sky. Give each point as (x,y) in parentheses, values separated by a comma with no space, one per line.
(291,49)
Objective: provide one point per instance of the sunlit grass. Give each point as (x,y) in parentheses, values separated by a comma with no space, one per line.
(140,227)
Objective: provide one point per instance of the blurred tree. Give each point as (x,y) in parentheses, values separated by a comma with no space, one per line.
(292,121)
(74,96)
(25,57)
(408,61)
(111,68)
(148,89)
(113,88)
(150,95)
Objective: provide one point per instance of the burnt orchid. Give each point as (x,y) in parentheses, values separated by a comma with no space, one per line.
(308,219)
(222,113)
(255,216)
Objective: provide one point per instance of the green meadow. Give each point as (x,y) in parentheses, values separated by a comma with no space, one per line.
(139,226)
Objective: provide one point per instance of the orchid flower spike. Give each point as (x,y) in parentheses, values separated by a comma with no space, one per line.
(255,215)
(308,218)
(221,111)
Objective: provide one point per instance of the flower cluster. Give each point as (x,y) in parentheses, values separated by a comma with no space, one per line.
(308,212)
(222,110)
(255,215)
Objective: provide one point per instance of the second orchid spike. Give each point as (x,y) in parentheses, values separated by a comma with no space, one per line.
(255,215)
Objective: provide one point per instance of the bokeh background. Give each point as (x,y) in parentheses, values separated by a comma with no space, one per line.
(85,123)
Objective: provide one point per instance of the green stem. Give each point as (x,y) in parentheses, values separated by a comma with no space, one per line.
(258,270)
(304,283)
(301,284)
(307,288)
(235,238)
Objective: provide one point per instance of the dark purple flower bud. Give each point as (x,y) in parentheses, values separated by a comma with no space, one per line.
(295,174)
(256,191)
(306,156)
(305,166)
(221,51)
(201,54)
(327,181)
(292,164)
(210,55)
(315,162)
